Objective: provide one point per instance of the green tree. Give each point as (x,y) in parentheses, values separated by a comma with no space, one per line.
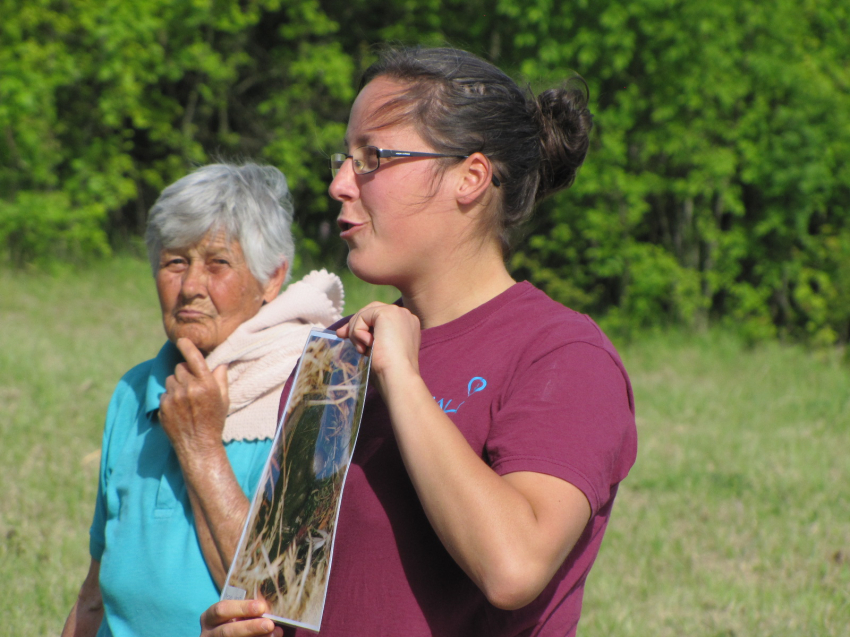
(717,186)
(719,172)
(102,104)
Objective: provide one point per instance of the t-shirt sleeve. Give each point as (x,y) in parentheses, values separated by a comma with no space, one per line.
(97,541)
(97,532)
(568,415)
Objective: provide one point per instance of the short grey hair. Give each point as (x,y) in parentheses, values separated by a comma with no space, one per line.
(250,203)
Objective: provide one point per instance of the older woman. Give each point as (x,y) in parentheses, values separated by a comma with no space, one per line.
(187,432)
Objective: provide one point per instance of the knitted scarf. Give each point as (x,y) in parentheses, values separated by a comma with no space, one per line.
(261,352)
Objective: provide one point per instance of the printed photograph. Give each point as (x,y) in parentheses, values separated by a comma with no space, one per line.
(285,553)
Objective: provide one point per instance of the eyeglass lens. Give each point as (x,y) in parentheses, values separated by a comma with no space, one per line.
(364,159)
(367,159)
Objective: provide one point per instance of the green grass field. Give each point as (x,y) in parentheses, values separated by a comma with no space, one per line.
(734,521)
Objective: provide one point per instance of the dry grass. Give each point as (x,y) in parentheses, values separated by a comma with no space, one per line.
(287,552)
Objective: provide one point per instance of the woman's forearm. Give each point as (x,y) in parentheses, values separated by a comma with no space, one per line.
(87,613)
(193,412)
(219,507)
(509,533)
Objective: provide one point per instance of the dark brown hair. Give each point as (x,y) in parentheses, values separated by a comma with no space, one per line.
(461,104)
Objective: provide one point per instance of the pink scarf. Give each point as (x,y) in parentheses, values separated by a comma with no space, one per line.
(262,351)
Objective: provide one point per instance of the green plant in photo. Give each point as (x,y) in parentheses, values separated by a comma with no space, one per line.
(285,555)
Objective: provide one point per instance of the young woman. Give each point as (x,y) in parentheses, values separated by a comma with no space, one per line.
(499,423)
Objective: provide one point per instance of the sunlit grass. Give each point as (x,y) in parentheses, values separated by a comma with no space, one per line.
(734,521)
(736,518)
(64,342)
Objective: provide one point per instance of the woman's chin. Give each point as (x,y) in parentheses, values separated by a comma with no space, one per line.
(201,340)
(369,272)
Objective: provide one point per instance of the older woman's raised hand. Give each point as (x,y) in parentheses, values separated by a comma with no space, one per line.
(192,412)
(194,407)
(231,618)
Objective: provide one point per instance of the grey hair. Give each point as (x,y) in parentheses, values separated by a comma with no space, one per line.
(250,203)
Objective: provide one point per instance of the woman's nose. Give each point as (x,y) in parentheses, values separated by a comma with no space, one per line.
(194,280)
(344,185)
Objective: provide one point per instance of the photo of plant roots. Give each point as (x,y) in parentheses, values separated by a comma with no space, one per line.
(285,555)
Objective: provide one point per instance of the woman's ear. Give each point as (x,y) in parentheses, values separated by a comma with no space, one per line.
(272,288)
(476,177)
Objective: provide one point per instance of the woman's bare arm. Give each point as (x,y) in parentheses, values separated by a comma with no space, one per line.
(87,613)
(509,533)
(192,413)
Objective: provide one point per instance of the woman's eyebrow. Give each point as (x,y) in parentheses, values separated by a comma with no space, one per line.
(360,140)
(216,250)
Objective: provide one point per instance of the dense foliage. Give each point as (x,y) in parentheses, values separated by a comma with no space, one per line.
(717,188)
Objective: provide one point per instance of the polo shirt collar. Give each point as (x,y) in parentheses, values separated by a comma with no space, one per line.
(163,367)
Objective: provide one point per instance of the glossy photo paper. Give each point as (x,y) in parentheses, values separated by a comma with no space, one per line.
(286,549)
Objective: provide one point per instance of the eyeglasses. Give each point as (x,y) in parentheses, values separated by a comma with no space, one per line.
(367,159)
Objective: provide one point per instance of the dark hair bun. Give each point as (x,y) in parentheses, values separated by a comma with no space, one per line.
(461,104)
(565,124)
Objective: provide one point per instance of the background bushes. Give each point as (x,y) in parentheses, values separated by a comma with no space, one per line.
(717,188)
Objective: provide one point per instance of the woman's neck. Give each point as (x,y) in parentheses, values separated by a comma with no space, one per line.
(455,289)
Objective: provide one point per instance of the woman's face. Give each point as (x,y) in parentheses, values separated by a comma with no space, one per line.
(206,291)
(399,222)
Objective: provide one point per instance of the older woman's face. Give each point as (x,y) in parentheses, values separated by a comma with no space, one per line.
(206,291)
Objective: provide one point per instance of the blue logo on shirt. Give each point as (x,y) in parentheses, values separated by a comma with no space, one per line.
(475,385)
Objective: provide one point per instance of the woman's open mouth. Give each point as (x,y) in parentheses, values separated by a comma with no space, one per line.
(347,228)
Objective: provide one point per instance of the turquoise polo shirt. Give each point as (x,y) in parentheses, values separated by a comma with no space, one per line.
(153,577)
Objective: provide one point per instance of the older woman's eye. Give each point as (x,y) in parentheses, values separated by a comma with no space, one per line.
(218,264)
(174,264)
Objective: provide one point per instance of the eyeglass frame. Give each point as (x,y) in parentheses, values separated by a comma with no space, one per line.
(383,153)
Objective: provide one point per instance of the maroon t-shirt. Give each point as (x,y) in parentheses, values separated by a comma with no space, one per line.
(533,386)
